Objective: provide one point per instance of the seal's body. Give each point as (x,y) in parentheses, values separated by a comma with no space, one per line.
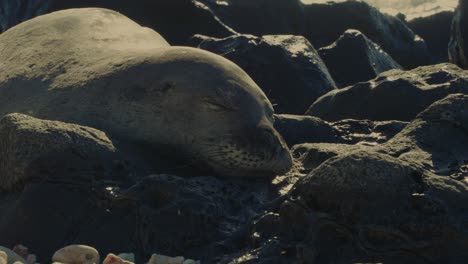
(97,68)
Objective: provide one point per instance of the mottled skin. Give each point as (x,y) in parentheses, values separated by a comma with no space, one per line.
(96,67)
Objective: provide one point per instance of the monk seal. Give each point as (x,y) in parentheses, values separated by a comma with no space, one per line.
(95,67)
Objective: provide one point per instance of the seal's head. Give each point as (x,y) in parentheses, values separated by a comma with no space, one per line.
(218,115)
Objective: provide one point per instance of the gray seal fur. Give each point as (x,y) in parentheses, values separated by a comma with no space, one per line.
(95,67)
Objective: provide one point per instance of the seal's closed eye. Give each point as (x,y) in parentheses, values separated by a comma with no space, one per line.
(217,106)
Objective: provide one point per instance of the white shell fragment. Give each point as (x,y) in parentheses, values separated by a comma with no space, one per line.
(76,254)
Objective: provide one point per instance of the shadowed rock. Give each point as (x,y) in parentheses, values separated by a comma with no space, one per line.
(393,95)
(458,48)
(326,22)
(297,129)
(30,147)
(387,206)
(261,17)
(437,140)
(355,58)
(435,30)
(380,197)
(176,20)
(287,68)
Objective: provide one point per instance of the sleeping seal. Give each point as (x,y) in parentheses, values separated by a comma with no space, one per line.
(95,67)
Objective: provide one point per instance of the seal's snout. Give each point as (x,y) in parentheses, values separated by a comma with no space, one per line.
(283,155)
(281,159)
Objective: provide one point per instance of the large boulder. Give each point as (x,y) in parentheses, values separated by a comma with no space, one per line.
(367,131)
(386,206)
(327,21)
(393,95)
(287,68)
(261,17)
(436,141)
(375,204)
(176,20)
(458,36)
(297,129)
(354,58)
(435,30)
(31,147)
(197,217)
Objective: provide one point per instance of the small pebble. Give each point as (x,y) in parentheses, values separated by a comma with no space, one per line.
(12,256)
(113,259)
(79,254)
(161,259)
(3,257)
(127,256)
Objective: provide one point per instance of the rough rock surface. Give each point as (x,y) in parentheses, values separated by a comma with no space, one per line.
(367,131)
(177,20)
(383,204)
(393,95)
(437,140)
(327,21)
(354,58)
(435,30)
(377,203)
(458,36)
(29,146)
(374,191)
(261,17)
(287,68)
(297,129)
(196,217)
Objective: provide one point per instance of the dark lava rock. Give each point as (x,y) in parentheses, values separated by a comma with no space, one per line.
(176,20)
(404,201)
(327,21)
(261,17)
(458,36)
(393,95)
(435,30)
(354,58)
(194,217)
(366,131)
(15,12)
(312,155)
(436,141)
(287,68)
(387,207)
(297,129)
(375,204)
(30,147)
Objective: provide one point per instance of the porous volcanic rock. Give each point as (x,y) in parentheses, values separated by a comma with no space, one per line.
(297,129)
(327,21)
(374,204)
(197,217)
(435,30)
(261,17)
(177,20)
(354,58)
(437,140)
(393,95)
(30,147)
(457,48)
(286,67)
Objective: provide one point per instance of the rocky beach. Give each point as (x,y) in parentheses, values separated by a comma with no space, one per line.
(233,131)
